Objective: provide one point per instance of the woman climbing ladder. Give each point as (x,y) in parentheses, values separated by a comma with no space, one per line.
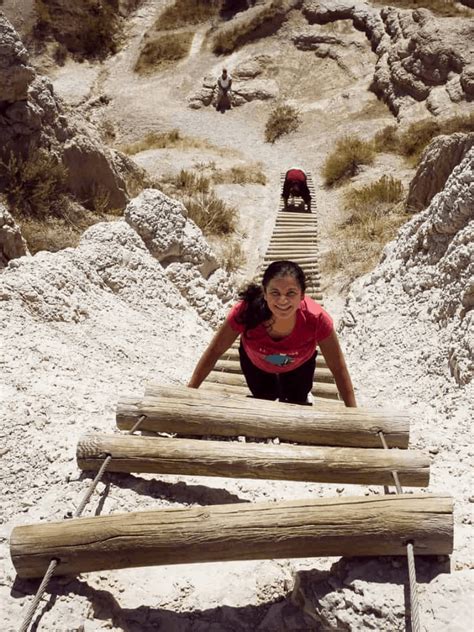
(279,330)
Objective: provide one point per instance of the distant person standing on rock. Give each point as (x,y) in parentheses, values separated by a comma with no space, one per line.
(224,84)
(279,329)
(295,184)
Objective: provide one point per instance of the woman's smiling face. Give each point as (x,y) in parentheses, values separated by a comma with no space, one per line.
(283,296)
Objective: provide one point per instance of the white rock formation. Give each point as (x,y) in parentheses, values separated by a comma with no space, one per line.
(421,58)
(12,244)
(436,165)
(428,275)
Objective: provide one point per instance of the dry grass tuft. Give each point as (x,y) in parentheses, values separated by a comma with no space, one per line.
(258,24)
(349,154)
(386,140)
(386,190)
(442,8)
(56,233)
(184,12)
(170,140)
(163,50)
(190,183)
(211,214)
(376,213)
(283,119)
(412,142)
(250,174)
(34,186)
(231,255)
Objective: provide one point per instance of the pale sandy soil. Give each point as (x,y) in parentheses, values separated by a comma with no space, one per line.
(60,401)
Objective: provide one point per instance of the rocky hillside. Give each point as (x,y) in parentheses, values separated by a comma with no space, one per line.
(139,296)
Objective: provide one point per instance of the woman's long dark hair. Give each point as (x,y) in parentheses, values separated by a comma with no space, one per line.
(256,309)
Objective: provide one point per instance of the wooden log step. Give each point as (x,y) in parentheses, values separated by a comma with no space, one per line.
(276,252)
(242,392)
(232,366)
(288,241)
(294,218)
(285,223)
(319,388)
(232,354)
(310,260)
(296,235)
(350,427)
(290,253)
(219,393)
(356,526)
(304,236)
(232,459)
(295,214)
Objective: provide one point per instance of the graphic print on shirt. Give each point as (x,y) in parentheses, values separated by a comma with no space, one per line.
(279,359)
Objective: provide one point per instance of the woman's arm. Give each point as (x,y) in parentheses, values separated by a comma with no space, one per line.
(334,357)
(222,340)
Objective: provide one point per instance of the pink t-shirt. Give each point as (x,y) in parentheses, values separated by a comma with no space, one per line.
(313,324)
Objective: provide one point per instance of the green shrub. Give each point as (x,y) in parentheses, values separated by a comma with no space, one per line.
(184,12)
(232,36)
(283,119)
(385,190)
(34,185)
(162,51)
(349,154)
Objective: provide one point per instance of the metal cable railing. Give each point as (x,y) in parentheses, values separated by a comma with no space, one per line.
(414,605)
(55,562)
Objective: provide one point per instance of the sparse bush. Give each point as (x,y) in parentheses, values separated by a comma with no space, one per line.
(233,36)
(349,154)
(51,234)
(385,190)
(283,119)
(412,142)
(231,256)
(376,213)
(162,51)
(184,12)
(211,214)
(36,185)
(173,138)
(359,241)
(443,8)
(190,182)
(60,54)
(387,140)
(96,34)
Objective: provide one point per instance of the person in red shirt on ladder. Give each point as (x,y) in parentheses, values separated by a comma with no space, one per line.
(280,329)
(295,185)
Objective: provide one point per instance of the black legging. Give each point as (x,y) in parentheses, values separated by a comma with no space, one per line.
(292,386)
